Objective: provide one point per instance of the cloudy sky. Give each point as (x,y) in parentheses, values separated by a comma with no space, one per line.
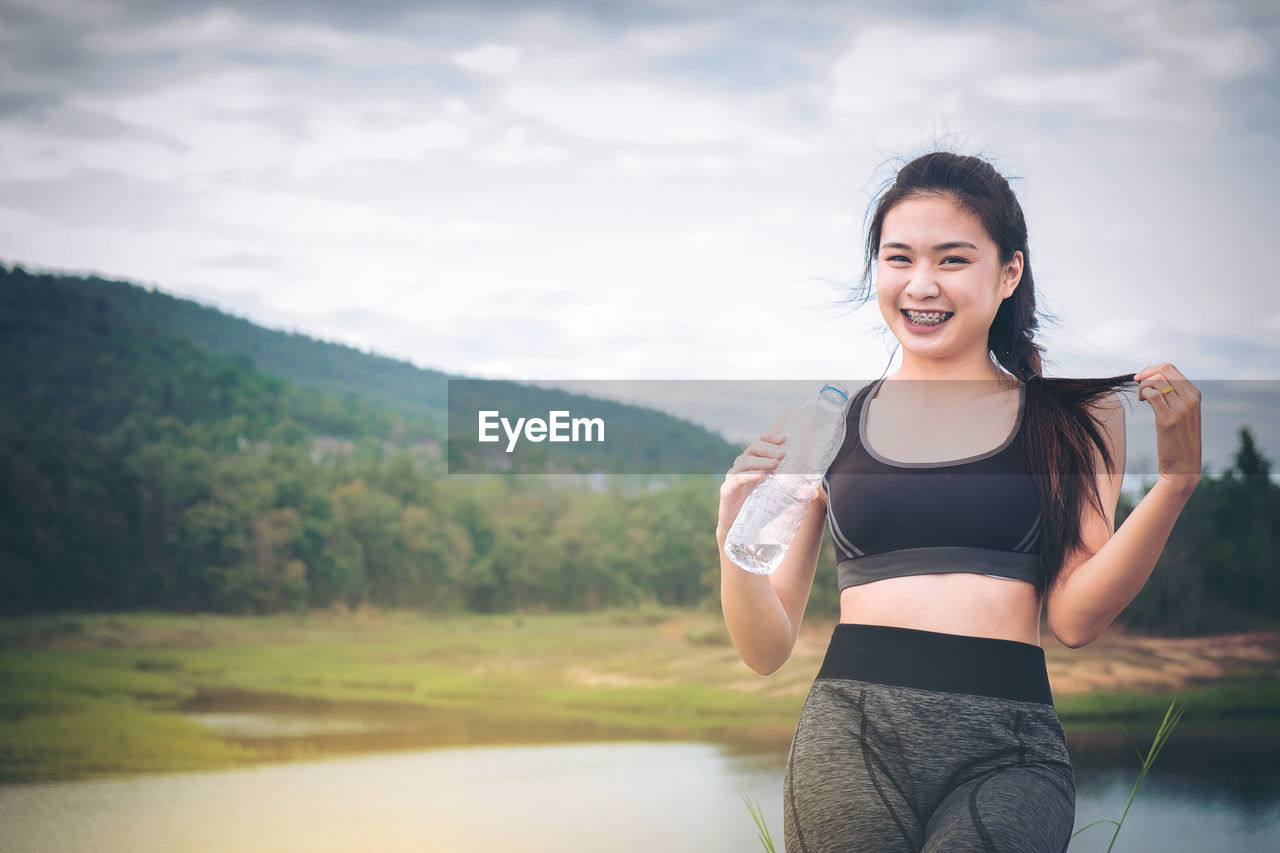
(645,190)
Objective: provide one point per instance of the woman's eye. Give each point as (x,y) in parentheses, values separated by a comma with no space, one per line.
(892,259)
(957,260)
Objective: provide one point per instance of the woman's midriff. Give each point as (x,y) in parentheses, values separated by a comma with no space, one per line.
(950,603)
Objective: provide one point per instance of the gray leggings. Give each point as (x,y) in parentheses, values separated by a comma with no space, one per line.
(921,741)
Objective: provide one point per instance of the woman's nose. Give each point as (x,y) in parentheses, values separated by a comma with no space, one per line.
(922,283)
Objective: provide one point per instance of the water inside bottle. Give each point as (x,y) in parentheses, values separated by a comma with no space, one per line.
(762,559)
(764,556)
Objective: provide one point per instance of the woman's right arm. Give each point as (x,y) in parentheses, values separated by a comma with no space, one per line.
(763,612)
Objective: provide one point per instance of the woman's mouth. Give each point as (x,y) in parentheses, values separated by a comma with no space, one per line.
(926,319)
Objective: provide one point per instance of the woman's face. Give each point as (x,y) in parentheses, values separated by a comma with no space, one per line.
(936,256)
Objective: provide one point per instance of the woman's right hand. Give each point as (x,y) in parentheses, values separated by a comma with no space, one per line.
(751,466)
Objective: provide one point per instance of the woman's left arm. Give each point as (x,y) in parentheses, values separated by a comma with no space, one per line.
(1091,591)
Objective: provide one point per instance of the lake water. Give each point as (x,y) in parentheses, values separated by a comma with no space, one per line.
(589,797)
(1207,791)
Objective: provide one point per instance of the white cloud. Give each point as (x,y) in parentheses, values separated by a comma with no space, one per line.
(630,111)
(783,145)
(517,146)
(1127,91)
(237,120)
(459,230)
(43,150)
(218,120)
(494,59)
(1120,333)
(902,79)
(222,30)
(300,217)
(646,165)
(673,39)
(337,139)
(894,69)
(1197,39)
(840,222)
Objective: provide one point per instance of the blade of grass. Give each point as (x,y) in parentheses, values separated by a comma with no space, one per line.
(1095,823)
(757,815)
(1171,719)
(1129,737)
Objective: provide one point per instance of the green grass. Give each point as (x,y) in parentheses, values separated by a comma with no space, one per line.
(762,828)
(70,715)
(96,694)
(88,694)
(1232,699)
(108,737)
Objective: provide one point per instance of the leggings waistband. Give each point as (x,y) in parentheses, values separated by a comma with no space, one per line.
(928,660)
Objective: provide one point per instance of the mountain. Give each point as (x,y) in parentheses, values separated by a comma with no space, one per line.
(327,367)
(64,330)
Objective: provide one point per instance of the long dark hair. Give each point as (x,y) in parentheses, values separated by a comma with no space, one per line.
(1060,427)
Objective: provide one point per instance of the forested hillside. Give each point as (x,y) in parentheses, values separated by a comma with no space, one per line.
(1220,570)
(331,368)
(139,469)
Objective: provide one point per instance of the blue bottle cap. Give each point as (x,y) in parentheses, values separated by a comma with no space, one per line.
(839,389)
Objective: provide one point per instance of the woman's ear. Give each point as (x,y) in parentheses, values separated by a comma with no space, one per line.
(1012,275)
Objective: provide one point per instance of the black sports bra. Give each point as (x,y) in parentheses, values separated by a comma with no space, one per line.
(888,519)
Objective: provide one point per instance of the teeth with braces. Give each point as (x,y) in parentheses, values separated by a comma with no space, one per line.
(929,319)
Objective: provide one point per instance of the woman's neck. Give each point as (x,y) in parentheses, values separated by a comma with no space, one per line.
(923,377)
(977,370)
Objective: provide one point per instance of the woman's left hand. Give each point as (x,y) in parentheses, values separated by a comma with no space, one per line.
(1177,412)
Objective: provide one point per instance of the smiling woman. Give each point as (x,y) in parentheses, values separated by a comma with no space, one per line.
(931,724)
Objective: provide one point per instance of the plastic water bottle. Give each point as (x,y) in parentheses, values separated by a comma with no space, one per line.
(772,513)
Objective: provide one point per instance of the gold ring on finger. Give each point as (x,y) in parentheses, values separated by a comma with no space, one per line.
(1167,390)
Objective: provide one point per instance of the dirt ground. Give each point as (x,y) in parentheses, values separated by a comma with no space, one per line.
(1121,660)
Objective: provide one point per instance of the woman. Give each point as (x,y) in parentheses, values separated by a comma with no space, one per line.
(957,508)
